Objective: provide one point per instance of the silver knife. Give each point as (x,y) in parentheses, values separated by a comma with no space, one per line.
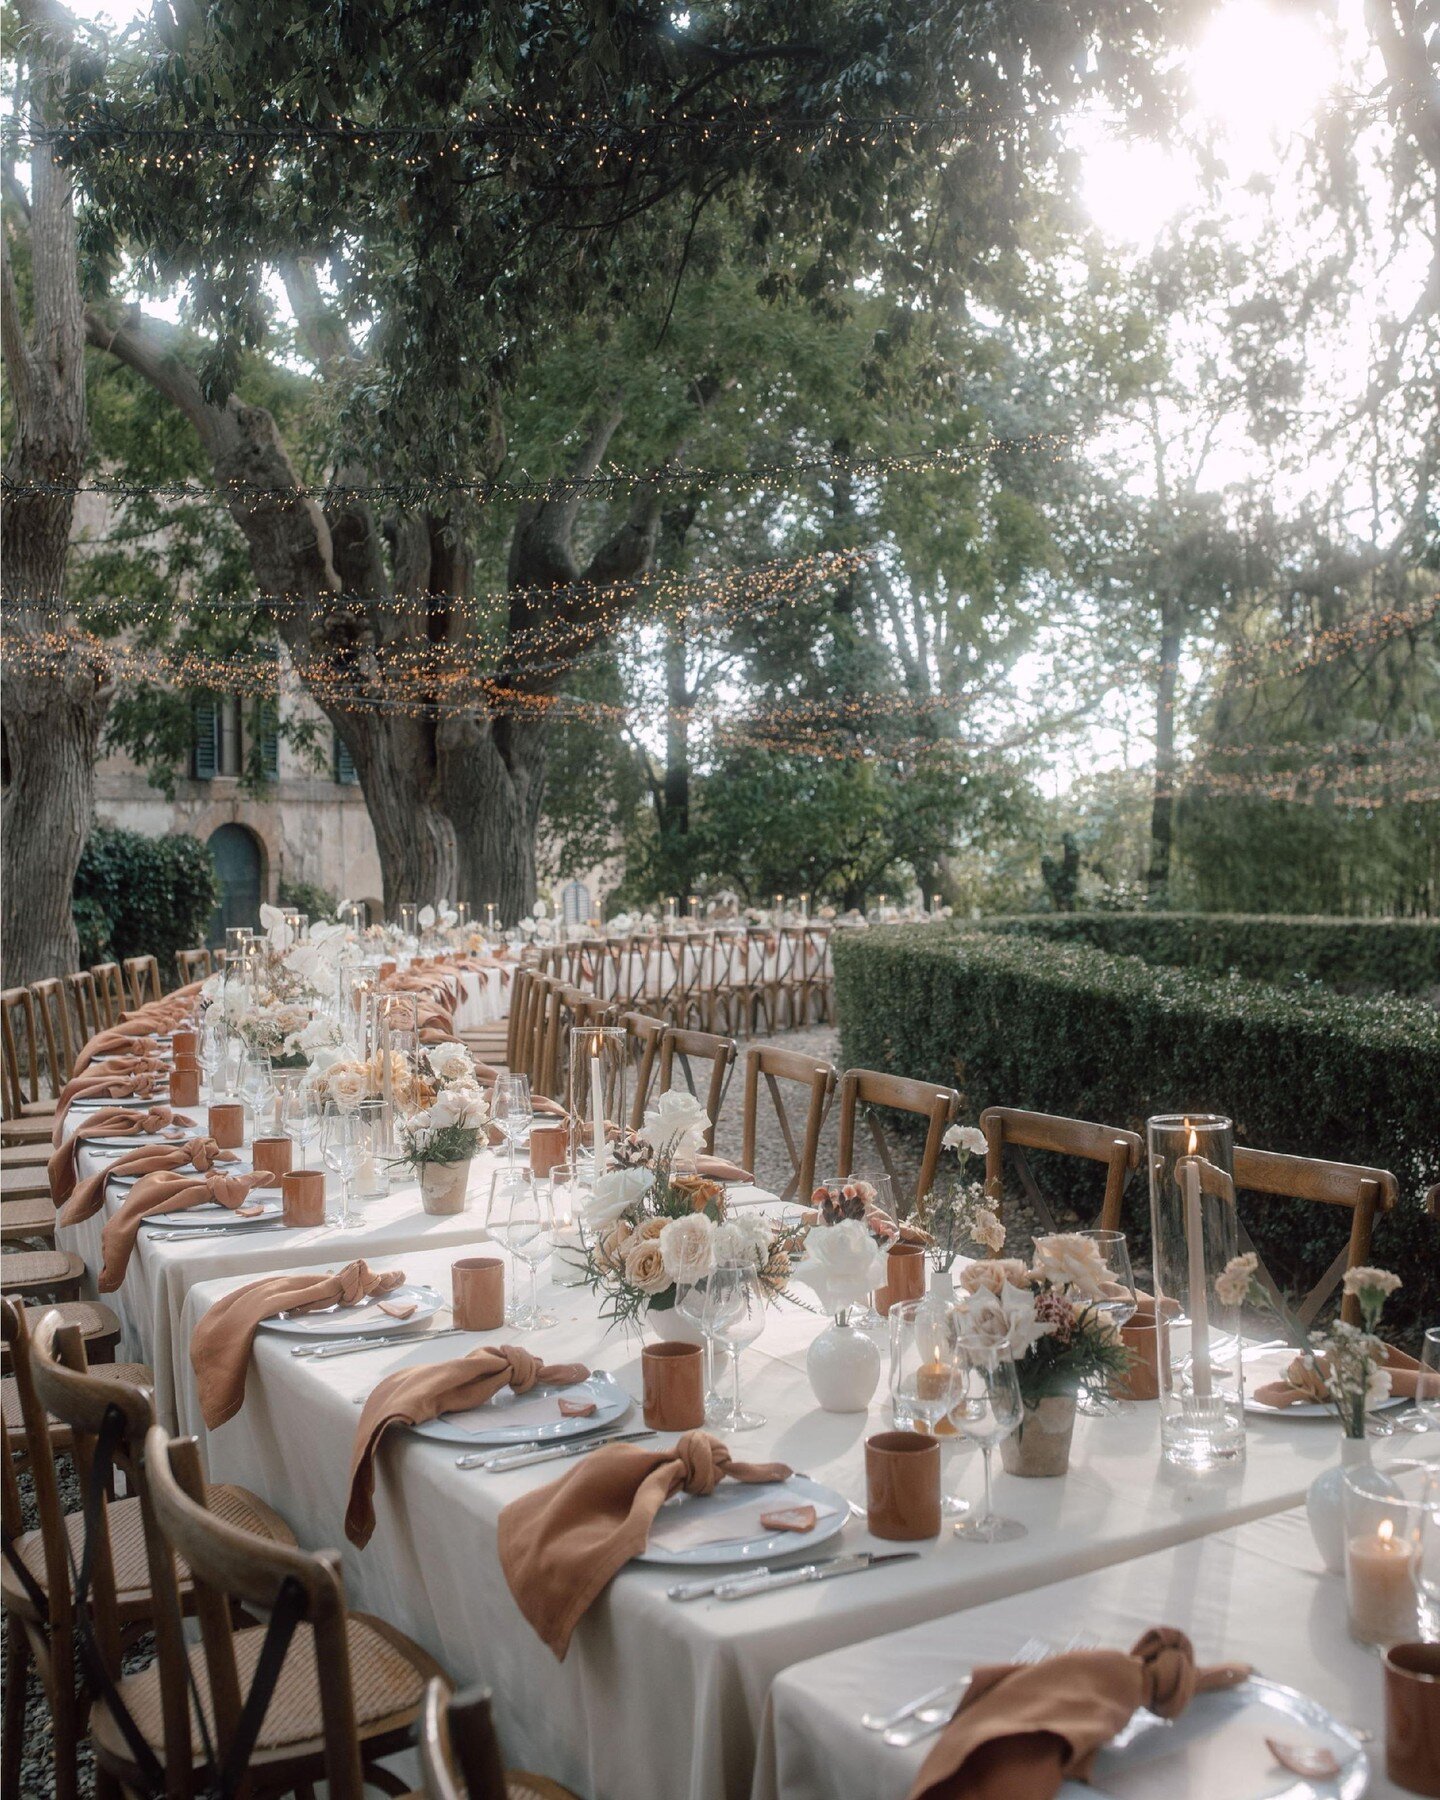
(523,1458)
(216,1231)
(737,1587)
(324,1352)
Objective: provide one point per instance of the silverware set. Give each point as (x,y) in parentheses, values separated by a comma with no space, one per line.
(524,1456)
(220,1231)
(326,1352)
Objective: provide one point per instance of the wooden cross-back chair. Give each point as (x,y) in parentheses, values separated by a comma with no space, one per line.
(193,965)
(725,1004)
(460,1753)
(1011,1132)
(790,985)
(869,1091)
(675,987)
(85,1005)
(57,1035)
(819,979)
(516,1019)
(817,1081)
(1364,1192)
(644,1033)
(567,1006)
(142,974)
(110,991)
(542,999)
(348,1691)
(23,1055)
(689,1049)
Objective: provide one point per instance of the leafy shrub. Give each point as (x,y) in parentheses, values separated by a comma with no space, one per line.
(1399,956)
(156,895)
(92,926)
(315,902)
(1026,1021)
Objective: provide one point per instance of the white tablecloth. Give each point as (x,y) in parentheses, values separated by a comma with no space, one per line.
(663,1700)
(1258,1594)
(484,997)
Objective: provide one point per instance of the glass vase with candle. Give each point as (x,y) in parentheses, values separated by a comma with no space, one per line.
(1195,1231)
(1392,1552)
(599,1068)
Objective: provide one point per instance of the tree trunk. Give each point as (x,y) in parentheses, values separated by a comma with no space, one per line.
(1162,809)
(492,784)
(54,692)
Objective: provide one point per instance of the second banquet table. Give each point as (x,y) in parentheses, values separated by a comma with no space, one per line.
(660,1700)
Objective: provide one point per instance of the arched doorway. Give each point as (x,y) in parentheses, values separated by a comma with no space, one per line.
(237,862)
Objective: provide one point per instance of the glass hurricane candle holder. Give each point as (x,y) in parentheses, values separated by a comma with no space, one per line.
(1392,1551)
(599,1068)
(1195,1233)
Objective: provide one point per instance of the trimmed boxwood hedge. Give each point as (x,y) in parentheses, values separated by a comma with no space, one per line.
(136,895)
(1398,956)
(1064,1028)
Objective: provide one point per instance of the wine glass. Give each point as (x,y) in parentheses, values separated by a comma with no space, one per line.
(511,1109)
(518,1218)
(340,1148)
(922,1376)
(210,1051)
(1118,1301)
(302,1116)
(1427,1382)
(258,1086)
(986,1408)
(737,1315)
(695,1303)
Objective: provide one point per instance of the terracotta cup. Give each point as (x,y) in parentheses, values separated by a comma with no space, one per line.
(904,1277)
(302,1195)
(185,1061)
(1412,1717)
(902,1485)
(184,1043)
(184,1087)
(477,1287)
(387,969)
(227,1123)
(549,1145)
(1141,1381)
(674,1378)
(274,1154)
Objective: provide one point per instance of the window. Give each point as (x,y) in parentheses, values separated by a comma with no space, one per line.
(267,737)
(217,737)
(574,903)
(342,763)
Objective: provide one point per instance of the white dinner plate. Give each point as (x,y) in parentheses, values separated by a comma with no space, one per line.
(535,1417)
(687,1512)
(1262,1366)
(241,1166)
(211,1216)
(365,1320)
(94,1102)
(1218,1747)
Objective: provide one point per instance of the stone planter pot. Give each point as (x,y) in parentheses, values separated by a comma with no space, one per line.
(1041,1445)
(443,1185)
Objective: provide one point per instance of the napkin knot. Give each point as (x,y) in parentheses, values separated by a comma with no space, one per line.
(204,1153)
(704,1462)
(231,1190)
(358,1282)
(524,1368)
(1167,1668)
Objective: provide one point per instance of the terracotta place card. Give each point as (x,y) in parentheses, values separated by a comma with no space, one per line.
(302,1194)
(227,1123)
(674,1386)
(477,1288)
(902,1485)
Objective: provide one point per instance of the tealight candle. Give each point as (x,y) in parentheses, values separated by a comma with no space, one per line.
(1380,1586)
(569,1266)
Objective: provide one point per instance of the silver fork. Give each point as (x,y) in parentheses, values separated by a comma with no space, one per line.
(932,1712)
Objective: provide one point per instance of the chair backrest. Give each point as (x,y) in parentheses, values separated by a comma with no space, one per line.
(143,976)
(110,986)
(52,1008)
(688,1048)
(1363,1191)
(193,965)
(1007,1128)
(20,1036)
(817,1081)
(85,1000)
(520,980)
(229,1564)
(871,1090)
(644,1033)
(38,1457)
(459,1751)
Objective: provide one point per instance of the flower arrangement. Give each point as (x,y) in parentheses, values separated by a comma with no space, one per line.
(1049,1316)
(454,1118)
(1343,1367)
(653,1225)
(849,1198)
(844,1264)
(959,1217)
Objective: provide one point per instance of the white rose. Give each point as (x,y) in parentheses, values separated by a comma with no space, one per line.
(1072,1261)
(688,1247)
(677,1126)
(348,1088)
(745,1238)
(969,1138)
(1006,1319)
(843,1263)
(450,1062)
(614,1194)
(425,918)
(540,910)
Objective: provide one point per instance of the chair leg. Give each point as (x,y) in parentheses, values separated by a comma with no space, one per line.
(17,1670)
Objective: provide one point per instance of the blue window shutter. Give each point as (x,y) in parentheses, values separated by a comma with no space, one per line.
(269,728)
(206,736)
(344,764)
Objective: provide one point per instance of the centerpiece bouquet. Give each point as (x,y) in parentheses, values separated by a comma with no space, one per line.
(958,1216)
(1051,1317)
(440,1139)
(653,1225)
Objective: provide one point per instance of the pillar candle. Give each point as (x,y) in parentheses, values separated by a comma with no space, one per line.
(1189,1172)
(1380,1586)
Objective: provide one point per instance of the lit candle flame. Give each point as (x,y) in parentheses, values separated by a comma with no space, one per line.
(1386,1531)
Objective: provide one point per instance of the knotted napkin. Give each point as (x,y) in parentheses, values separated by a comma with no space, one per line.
(410,1396)
(117,1121)
(105,1069)
(1302,1382)
(1022,1729)
(561,1544)
(138,1086)
(201,1153)
(221,1343)
(129,1037)
(164,1192)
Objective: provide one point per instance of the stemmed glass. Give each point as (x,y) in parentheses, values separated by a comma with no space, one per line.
(695,1304)
(1427,1383)
(518,1216)
(922,1376)
(511,1109)
(340,1147)
(302,1116)
(210,1051)
(986,1408)
(737,1317)
(258,1087)
(1119,1301)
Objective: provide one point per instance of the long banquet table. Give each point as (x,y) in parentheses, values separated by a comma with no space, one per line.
(663,1699)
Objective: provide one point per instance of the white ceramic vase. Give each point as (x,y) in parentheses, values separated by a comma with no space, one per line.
(673,1327)
(844,1368)
(1325,1503)
(942,1284)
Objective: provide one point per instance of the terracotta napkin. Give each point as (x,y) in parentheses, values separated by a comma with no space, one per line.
(124,1039)
(138,1086)
(718,1168)
(560,1545)
(116,1121)
(106,1069)
(145,1159)
(1301,1383)
(1023,1729)
(165,1192)
(221,1343)
(410,1396)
